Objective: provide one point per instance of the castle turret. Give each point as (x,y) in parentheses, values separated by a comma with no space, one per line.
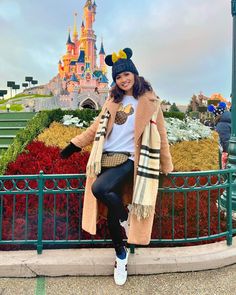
(75,36)
(94,6)
(102,59)
(88,12)
(82,28)
(75,33)
(60,68)
(69,44)
(89,37)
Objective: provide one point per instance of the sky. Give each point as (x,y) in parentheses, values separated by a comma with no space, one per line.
(182,47)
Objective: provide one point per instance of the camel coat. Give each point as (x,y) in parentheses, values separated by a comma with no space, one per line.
(148,103)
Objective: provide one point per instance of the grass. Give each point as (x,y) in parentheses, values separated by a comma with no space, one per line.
(13,108)
(21,95)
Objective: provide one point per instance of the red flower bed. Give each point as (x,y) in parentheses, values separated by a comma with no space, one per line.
(39,157)
(186,223)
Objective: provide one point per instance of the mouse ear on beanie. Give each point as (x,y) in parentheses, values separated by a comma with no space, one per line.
(128,52)
(108,60)
(222,105)
(211,108)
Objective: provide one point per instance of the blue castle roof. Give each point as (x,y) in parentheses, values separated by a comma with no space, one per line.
(81,58)
(103,79)
(73,78)
(69,40)
(102,51)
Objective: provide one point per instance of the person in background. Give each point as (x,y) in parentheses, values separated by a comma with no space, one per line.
(130,131)
(223,128)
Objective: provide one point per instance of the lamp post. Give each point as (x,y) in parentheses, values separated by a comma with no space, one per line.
(28,79)
(10,84)
(25,85)
(8,106)
(232,142)
(15,87)
(2,93)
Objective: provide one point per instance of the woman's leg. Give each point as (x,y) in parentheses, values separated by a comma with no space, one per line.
(105,189)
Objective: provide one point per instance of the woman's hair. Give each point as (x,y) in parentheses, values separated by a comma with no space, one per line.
(139,88)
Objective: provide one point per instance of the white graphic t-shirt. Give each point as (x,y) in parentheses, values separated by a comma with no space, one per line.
(121,138)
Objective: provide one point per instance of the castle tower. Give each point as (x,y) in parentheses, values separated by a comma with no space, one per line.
(89,38)
(78,70)
(102,59)
(75,35)
(69,44)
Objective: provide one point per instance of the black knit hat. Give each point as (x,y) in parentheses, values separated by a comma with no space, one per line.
(121,62)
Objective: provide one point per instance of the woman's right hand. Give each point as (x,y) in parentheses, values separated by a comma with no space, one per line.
(69,150)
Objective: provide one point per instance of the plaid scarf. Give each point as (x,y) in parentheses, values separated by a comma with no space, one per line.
(147,180)
(94,163)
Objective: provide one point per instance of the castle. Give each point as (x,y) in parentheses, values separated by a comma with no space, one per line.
(80,82)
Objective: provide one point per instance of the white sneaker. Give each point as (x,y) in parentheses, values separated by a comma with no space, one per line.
(120,270)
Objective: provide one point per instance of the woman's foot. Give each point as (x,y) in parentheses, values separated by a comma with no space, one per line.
(120,270)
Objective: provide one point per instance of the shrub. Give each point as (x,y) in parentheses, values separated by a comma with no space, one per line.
(33,128)
(13,107)
(178,115)
(59,135)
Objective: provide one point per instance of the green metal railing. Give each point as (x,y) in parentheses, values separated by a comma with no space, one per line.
(46,210)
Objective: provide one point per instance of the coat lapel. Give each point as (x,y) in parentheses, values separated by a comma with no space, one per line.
(147,105)
(112,108)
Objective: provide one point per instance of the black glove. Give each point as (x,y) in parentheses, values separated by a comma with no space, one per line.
(69,150)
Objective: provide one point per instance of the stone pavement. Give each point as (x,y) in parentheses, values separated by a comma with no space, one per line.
(194,270)
(213,282)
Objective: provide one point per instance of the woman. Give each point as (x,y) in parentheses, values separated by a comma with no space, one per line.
(131,122)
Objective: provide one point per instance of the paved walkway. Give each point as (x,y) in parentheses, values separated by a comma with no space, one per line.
(215,282)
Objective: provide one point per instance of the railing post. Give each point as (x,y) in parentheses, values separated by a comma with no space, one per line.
(40,213)
(229,210)
(132,248)
(232,141)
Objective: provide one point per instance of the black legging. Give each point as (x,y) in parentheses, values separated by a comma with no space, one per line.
(106,189)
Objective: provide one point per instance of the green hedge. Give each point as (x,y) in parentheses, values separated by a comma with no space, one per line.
(34,127)
(178,115)
(13,107)
(25,136)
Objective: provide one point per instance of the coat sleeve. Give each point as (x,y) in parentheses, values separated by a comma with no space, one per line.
(165,156)
(87,137)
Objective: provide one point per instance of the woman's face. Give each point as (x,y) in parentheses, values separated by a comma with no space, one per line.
(125,81)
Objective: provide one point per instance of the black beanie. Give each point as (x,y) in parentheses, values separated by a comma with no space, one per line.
(121,63)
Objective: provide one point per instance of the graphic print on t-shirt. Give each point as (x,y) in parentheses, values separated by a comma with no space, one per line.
(123,113)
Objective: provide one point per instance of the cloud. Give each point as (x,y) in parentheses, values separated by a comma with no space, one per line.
(181,46)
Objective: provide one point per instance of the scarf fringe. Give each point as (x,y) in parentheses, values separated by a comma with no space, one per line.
(141,211)
(93,171)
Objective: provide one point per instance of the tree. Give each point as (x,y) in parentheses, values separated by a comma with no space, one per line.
(174,108)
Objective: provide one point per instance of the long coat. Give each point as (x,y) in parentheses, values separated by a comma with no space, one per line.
(148,103)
